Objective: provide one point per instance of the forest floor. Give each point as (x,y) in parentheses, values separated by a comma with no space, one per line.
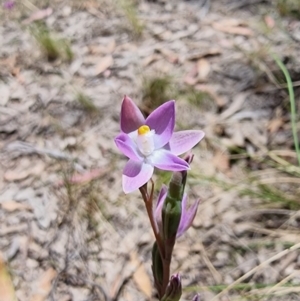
(68,231)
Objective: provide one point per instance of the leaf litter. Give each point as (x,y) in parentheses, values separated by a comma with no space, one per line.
(64,217)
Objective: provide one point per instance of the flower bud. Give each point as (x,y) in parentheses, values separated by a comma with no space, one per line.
(178,180)
(172,208)
(196,298)
(174,289)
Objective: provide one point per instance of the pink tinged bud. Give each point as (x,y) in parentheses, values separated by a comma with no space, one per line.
(187,216)
(187,213)
(174,289)
(196,298)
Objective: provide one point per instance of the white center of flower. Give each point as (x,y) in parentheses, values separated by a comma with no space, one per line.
(145,140)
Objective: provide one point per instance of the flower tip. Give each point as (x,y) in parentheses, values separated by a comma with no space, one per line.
(196,298)
(126,98)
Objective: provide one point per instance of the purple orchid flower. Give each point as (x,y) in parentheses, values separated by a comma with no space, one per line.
(151,142)
(9,4)
(187,214)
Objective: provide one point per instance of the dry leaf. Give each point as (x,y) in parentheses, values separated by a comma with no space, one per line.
(237,136)
(6,287)
(16,175)
(23,172)
(243,31)
(103,49)
(221,161)
(86,177)
(43,285)
(253,133)
(11,206)
(39,15)
(170,55)
(104,64)
(203,53)
(270,22)
(4,92)
(9,62)
(235,106)
(111,46)
(229,23)
(233,26)
(191,78)
(140,276)
(203,68)
(275,124)
(150,59)
(220,101)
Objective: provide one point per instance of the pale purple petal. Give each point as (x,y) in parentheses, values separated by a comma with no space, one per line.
(9,4)
(196,298)
(127,147)
(131,116)
(183,141)
(161,196)
(165,160)
(187,216)
(135,175)
(162,120)
(158,209)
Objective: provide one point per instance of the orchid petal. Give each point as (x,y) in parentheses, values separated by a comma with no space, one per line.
(159,205)
(126,145)
(183,141)
(162,120)
(187,216)
(131,116)
(165,160)
(135,175)
(162,195)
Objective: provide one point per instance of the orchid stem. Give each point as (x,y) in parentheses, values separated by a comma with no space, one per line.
(166,275)
(148,203)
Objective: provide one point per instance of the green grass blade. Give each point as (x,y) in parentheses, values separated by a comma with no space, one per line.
(292,103)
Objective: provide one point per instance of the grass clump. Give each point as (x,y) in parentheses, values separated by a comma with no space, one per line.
(271,195)
(200,99)
(289,8)
(52,46)
(86,103)
(129,9)
(156,91)
(292,102)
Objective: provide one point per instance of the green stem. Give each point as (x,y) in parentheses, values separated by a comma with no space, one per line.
(292,103)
